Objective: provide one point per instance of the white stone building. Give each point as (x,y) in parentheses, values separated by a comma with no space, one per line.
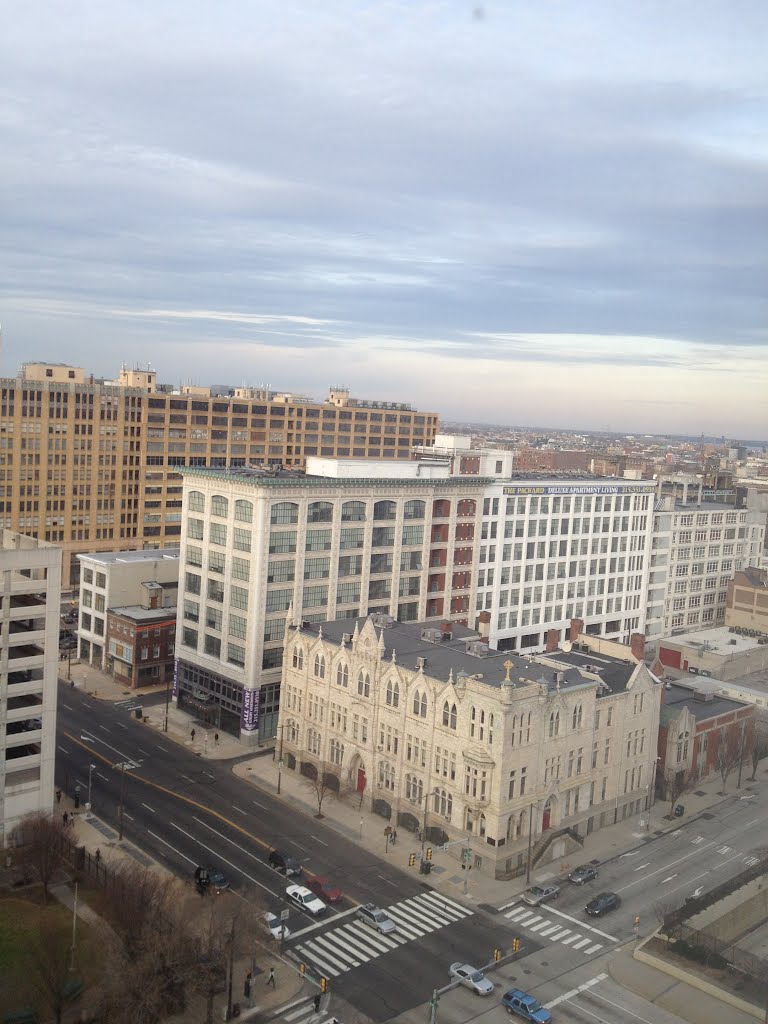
(30,577)
(515,759)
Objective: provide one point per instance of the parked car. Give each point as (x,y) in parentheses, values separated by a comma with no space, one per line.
(306,899)
(603,903)
(585,873)
(472,978)
(283,863)
(323,887)
(375,917)
(539,894)
(522,1005)
(276,928)
(208,877)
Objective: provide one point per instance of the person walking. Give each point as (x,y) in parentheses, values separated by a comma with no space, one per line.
(192,734)
(98,855)
(58,796)
(393,837)
(317,1003)
(271,979)
(216,738)
(65,818)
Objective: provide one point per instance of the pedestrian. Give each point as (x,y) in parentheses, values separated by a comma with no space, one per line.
(72,684)
(393,837)
(98,855)
(193,735)
(65,818)
(271,979)
(58,796)
(317,1003)
(215,737)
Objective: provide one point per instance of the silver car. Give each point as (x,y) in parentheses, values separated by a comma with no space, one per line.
(471,978)
(376,918)
(539,894)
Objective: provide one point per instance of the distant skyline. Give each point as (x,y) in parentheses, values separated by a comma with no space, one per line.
(507,212)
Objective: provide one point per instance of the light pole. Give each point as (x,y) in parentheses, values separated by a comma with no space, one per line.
(167,701)
(280,762)
(90,780)
(651,794)
(530,845)
(74,931)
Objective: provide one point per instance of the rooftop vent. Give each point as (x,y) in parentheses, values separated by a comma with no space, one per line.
(346,638)
(703,698)
(432,635)
(477,649)
(382,620)
(421,663)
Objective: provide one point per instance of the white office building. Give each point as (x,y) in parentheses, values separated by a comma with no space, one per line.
(30,576)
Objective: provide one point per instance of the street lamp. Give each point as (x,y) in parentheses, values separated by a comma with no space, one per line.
(651,794)
(90,780)
(280,762)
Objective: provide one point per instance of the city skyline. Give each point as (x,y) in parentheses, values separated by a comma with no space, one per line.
(481,210)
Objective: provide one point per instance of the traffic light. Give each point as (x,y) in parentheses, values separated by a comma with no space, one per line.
(302,968)
(515,945)
(429,853)
(323,984)
(411,860)
(497,954)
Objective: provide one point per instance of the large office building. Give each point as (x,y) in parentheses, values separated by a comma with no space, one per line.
(95,465)
(513,761)
(30,577)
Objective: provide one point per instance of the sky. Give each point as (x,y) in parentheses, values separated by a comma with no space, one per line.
(543,212)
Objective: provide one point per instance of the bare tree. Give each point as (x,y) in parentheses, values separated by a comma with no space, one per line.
(49,959)
(759,748)
(677,782)
(227,930)
(322,784)
(41,844)
(729,753)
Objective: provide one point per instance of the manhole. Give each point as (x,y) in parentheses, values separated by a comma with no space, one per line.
(706,815)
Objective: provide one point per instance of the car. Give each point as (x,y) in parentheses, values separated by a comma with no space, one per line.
(275,926)
(539,894)
(306,899)
(285,864)
(582,874)
(209,877)
(472,978)
(522,1005)
(603,903)
(375,917)
(323,887)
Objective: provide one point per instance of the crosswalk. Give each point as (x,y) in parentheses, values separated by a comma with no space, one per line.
(340,949)
(544,927)
(303,1012)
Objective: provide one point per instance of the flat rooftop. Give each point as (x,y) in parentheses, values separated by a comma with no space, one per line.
(140,614)
(677,697)
(122,557)
(719,640)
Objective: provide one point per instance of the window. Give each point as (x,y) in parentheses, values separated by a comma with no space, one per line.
(554,723)
(386,776)
(282,543)
(237,626)
(449,715)
(219,505)
(342,675)
(238,597)
(298,657)
(364,684)
(243,511)
(217,534)
(281,572)
(336,751)
(353,512)
(236,655)
(414,509)
(414,788)
(191,583)
(319,666)
(393,694)
(284,513)
(278,600)
(195,503)
(420,703)
(320,512)
(241,539)
(577,711)
(384,510)
(195,529)
(315,597)
(443,804)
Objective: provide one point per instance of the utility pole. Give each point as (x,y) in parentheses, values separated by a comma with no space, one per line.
(530,846)
(167,701)
(74,931)
(280,762)
(231,970)
(741,754)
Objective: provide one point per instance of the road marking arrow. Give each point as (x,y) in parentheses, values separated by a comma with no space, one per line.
(668,879)
(642,866)
(633,853)
(698,892)
(749,796)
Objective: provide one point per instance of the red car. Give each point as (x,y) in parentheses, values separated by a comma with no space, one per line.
(323,887)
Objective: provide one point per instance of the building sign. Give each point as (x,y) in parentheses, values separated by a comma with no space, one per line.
(176,679)
(550,489)
(250,717)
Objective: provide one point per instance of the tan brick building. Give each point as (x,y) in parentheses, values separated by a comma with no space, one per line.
(95,465)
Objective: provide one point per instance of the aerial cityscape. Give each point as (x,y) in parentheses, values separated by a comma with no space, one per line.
(384,497)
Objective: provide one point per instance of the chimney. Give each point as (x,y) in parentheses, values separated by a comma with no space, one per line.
(577,628)
(637,645)
(485,625)
(446,630)
(553,640)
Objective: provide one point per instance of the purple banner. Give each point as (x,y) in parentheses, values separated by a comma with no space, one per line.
(249,721)
(176,679)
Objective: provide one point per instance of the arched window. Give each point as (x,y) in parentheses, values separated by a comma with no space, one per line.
(336,751)
(353,512)
(577,717)
(481,825)
(393,694)
(319,666)
(342,675)
(554,723)
(490,728)
(386,509)
(472,720)
(244,510)
(196,501)
(319,512)
(414,509)
(298,657)
(284,513)
(449,716)
(420,703)
(219,505)
(443,803)
(292,731)
(414,788)
(364,684)
(466,507)
(386,775)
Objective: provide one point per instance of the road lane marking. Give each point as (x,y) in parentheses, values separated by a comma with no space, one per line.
(664,880)
(161,840)
(724,849)
(321,924)
(575,991)
(640,868)
(221,857)
(319,841)
(62,749)
(581,942)
(666,867)
(65,705)
(581,924)
(149,808)
(102,777)
(239,809)
(387,880)
(570,939)
(103,727)
(260,805)
(128,816)
(121,725)
(144,752)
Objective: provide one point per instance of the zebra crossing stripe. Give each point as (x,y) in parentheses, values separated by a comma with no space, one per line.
(548,931)
(568,941)
(561,934)
(582,942)
(361,932)
(538,927)
(405,925)
(519,914)
(533,920)
(448,905)
(331,946)
(593,949)
(422,913)
(309,955)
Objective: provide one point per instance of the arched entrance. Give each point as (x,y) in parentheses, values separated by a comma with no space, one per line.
(357,776)
(546,817)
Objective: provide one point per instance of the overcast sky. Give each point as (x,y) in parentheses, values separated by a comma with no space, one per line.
(527,212)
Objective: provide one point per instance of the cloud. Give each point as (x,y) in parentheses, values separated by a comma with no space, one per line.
(431,197)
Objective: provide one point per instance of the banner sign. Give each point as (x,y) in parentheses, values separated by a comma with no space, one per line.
(250,718)
(555,489)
